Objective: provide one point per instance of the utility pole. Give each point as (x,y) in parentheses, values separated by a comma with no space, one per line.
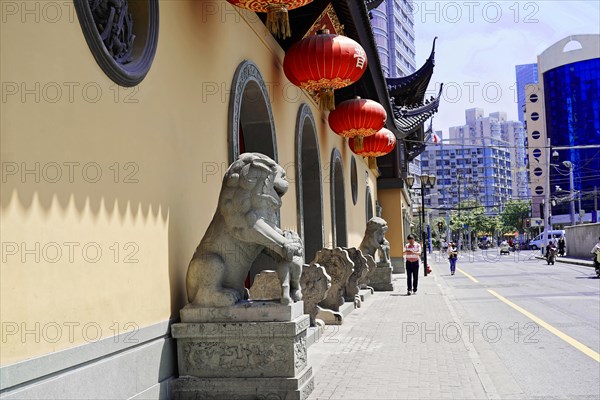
(547,218)
(572,194)
(595,204)
(429,241)
(458,179)
(448,232)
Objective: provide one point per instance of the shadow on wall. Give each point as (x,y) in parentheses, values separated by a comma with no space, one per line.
(41,201)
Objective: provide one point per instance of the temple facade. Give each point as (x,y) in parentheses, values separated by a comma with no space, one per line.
(114,147)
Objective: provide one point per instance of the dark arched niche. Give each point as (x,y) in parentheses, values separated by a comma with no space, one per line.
(338,201)
(369,202)
(309,191)
(251,129)
(251,126)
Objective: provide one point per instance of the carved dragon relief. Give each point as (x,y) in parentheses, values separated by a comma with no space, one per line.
(115,26)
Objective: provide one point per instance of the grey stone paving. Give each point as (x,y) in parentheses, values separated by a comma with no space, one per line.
(375,356)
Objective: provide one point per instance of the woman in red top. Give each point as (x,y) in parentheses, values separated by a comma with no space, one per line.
(412,254)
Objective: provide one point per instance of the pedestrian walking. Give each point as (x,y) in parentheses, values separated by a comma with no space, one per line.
(412,254)
(452,257)
(561,246)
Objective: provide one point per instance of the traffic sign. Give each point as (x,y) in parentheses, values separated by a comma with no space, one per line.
(537,222)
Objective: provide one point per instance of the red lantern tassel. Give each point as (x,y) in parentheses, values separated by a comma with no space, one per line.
(326,99)
(373,163)
(358,143)
(278,21)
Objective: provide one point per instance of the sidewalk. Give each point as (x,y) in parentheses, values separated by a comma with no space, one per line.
(407,347)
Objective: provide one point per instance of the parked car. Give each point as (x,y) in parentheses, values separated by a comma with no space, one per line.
(538,242)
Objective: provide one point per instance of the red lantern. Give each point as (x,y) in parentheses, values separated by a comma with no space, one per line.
(377,145)
(357,118)
(323,63)
(278,21)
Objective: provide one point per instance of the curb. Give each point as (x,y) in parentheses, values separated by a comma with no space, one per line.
(573,261)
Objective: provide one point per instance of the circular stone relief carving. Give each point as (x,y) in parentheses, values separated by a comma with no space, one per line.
(122,36)
(539,190)
(536,134)
(538,171)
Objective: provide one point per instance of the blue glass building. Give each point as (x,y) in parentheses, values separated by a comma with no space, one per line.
(572,94)
(563,109)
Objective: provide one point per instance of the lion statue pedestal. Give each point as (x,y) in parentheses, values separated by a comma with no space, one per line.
(227,346)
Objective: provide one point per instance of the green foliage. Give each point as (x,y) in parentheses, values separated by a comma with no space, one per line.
(514,214)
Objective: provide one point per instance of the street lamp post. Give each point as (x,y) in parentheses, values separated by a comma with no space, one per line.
(426,181)
(570,166)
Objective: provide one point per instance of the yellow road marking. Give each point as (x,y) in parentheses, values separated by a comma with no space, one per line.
(467,275)
(578,345)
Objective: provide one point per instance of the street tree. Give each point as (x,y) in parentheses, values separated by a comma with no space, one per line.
(514,214)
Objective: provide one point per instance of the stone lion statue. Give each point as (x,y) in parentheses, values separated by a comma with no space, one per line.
(375,240)
(244,225)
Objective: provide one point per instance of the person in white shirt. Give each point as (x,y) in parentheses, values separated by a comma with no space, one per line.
(412,254)
(596,252)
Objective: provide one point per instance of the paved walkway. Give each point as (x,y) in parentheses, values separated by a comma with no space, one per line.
(408,347)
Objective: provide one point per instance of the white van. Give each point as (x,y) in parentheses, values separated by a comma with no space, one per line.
(538,241)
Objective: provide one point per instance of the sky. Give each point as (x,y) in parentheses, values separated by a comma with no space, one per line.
(480,42)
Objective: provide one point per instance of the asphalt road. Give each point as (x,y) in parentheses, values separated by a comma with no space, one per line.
(539,322)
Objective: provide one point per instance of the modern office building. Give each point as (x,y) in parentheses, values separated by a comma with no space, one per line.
(526,74)
(563,112)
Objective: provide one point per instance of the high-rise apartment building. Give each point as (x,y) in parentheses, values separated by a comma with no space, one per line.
(393,28)
(563,112)
(469,172)
(526,74)
(394,32)
(478,161)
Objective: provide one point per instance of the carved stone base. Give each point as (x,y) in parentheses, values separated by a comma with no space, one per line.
(330,317)
(242,360)
(190,388)
(244,311)
(381,278)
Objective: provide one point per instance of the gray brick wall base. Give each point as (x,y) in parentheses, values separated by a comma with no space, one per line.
(137,368)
